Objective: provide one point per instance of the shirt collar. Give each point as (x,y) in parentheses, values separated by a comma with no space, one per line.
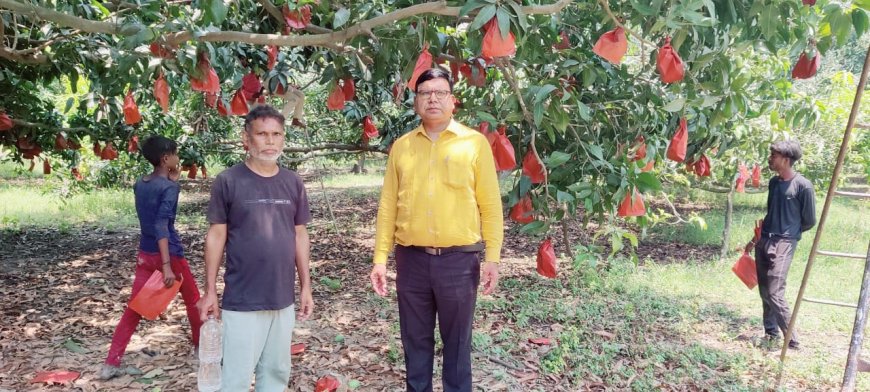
(454,127)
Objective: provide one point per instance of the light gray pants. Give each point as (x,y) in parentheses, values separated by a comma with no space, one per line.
(257,343)
(772,260)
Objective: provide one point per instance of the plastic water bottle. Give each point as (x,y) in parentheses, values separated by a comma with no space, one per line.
(208,378)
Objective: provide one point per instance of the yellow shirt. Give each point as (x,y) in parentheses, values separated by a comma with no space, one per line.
(439,194)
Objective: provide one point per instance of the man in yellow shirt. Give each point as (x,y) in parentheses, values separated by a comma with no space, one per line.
(441,206)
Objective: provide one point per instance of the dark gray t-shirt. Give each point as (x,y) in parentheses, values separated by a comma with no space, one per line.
(791,207)
(261,214)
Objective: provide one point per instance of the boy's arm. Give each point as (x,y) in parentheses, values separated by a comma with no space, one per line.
(303,255)
(168,275)
(215,241)
(165,212)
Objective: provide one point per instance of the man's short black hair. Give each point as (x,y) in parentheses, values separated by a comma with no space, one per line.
(155,147)
(260,112)
(434,73)
(790,149)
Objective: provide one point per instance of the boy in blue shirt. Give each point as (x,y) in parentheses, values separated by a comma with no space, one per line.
(159,246)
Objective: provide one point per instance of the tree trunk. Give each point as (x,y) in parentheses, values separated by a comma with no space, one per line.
(726,232)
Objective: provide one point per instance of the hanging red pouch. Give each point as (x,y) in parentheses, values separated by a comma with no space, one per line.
(632,205)
(5,122)
(154,297)
(522,212)
(349,89)
(702,167)
(756,176)
(564,42)
(251,86)
(805,67)
(669,64)
(612,45)
(474,73)
(424,62)
(547,259)
(109,153)
(131,111)
(272,54)
(336,98)
(369,129)
(502,150)
(133,144)
(744,268)
(191,173)
(298,18)
(239,105)
(46,167)
(495,44)
(60,142)
(209,82)
(222,108)
(161,93)
(533,168)
(97,150)
(679,143)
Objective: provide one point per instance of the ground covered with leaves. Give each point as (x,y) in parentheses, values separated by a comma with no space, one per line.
(63,291)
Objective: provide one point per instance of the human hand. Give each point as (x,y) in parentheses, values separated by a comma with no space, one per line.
(174,173)
(168,275)
(208,304)
(379,279)
(305,305)
(490,277)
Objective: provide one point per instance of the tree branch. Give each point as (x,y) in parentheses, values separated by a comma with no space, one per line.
(18,57)
(26,124)
(606,7)
(41,13)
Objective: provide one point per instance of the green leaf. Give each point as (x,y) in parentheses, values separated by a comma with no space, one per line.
(74,346)
(557,158)
(675,105)
(504,22)
(648,182)
(596,151)
(471,5)
(521,16)
(543,92)
(564,197)
(96,4)
(860,21)
(865,4)
(484,116)
(341,17)
(538,114)
(841,24)
(482,17)
(535,227)
(768,22)
(631,238)
(216,11)
(69,104)
(584,111)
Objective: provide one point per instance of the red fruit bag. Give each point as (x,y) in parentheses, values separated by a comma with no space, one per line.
(297,348)
(272,52)
(239,105)
(612,45)
(133,144)
(547,259)
(649,166)
(326,384)
(533,168)
(349,89)
(251,87)
(564,42)
(632,205)
(131,111)
(809,2)
(161,93)
(679,143)
(298,18)
(744,268)
(210,99)
(109,153)
(46,167)
(154,297)
(97,150)
(502,150)
(191,173)
(495,44)
(76,174)
(369,129)
(669,64)
(475,73)
(161,51)
(60,142)
(702,167)
(522,211)
(222,108)
(203,172)
(5,122)
(210,82)
(756,176)
(424,63)
(640,153)
(63,377)
(805,67)
(336,98)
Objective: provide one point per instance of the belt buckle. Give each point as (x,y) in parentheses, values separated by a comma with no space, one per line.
(432,251)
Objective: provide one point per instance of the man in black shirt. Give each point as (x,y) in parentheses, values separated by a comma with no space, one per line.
(791,210)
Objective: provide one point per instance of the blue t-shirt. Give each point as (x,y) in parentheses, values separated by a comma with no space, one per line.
(156,206)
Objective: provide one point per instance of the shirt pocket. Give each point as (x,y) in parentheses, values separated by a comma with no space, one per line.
(458,172)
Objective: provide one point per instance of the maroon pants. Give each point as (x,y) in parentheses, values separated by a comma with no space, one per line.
(146,264)
(442,287)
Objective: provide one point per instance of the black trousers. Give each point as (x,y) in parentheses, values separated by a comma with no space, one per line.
(444,286)
(772,260)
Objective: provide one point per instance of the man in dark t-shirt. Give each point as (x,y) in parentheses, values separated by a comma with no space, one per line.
(258,212)
(791,210)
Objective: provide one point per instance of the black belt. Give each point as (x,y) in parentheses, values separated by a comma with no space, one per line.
(774,235)
(478,247)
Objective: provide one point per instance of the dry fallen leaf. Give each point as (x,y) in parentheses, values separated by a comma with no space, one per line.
(57,376)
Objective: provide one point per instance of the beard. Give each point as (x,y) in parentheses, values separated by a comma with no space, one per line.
(262,156)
